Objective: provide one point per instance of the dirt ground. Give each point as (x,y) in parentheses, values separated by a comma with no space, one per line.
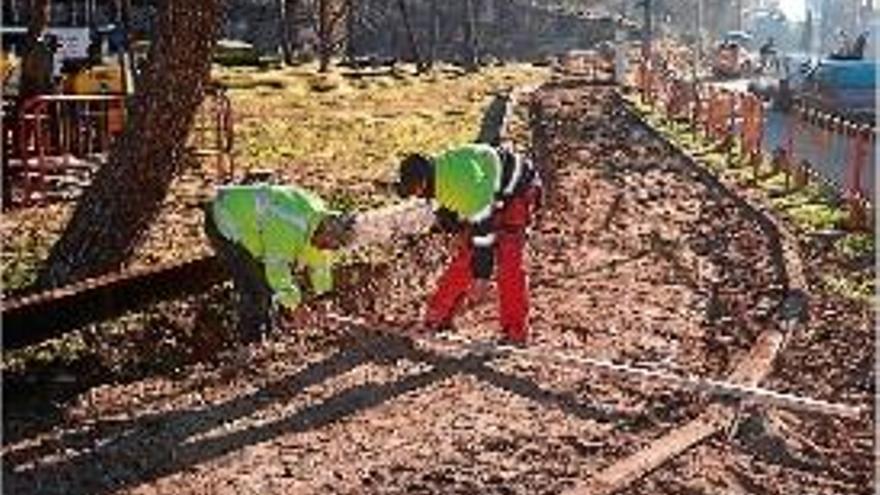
(637,258)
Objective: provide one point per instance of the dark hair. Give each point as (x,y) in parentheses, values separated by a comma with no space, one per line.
(258,176)
(414,169)
(339,227)
(51,41)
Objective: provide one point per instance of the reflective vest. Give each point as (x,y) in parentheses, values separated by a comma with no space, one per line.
(475,180)
(275,225)
(466,180)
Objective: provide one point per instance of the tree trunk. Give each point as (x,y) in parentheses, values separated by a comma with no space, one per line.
(470,37)
(351,7)
(123,17)
(410,36)
(647,32)
(284,32)
(127,193)
(435,33)
(288,29)
(38,19)
(324,35)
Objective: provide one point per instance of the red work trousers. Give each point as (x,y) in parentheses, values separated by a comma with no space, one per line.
(510,225)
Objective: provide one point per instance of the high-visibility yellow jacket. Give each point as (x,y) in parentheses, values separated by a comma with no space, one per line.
(472,182)
(275,224)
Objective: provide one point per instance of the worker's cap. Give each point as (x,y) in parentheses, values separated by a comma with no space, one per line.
(415,169)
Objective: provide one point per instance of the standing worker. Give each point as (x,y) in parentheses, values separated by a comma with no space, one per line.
(261,232)
(487,193)
(768,55)
(38,68)
(37,79)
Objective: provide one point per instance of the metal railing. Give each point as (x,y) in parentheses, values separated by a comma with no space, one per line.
(805,143)
(53,144)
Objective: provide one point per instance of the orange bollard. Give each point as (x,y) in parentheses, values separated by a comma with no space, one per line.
(802,174)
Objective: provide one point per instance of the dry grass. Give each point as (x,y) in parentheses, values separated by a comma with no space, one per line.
(335,133)
(352,130)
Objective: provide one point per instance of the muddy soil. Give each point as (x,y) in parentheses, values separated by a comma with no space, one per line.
(636,258)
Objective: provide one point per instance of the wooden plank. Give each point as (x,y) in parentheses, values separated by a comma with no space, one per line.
(750,372)
(621,474)
(37,317)
(29,319)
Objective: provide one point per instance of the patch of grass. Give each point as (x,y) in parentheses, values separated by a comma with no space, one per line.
(336,140)
(28,235)
(810,208)
(354,131)
(861,290)
(857,245)
(814,217)
(241,80)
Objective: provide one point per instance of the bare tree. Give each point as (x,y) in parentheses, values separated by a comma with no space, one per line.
(32,80)
(435,32)
(324,35)
(470,36)
(411,37)
(127,192)
(284,28)
(38,19)
(352,7)
(330,13)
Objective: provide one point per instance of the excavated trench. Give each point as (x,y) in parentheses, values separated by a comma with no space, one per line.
(637,258)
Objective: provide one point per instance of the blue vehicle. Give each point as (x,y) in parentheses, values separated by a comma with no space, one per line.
(846,87)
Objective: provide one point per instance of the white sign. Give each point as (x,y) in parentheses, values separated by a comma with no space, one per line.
(73,42)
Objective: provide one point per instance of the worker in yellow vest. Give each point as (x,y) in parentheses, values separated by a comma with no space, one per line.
(262,232)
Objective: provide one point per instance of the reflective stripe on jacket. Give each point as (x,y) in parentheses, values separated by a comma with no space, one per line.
(472,182)
(275,225)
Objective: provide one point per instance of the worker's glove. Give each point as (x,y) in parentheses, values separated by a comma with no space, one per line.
(446,222)
(298,318)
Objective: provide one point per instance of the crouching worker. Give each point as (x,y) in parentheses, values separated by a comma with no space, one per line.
(488,194)
(262,232)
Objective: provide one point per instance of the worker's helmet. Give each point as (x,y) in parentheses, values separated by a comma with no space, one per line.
(415,170)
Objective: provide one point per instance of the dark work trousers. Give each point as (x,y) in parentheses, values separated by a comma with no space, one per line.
(252,293)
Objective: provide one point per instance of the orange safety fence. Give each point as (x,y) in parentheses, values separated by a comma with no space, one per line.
(212,134)
(861,142)
(58,133)
(63,139)
(807,135)
(752,130)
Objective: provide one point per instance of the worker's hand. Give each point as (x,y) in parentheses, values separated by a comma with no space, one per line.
(446,222)
(297,318)
(479,293)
